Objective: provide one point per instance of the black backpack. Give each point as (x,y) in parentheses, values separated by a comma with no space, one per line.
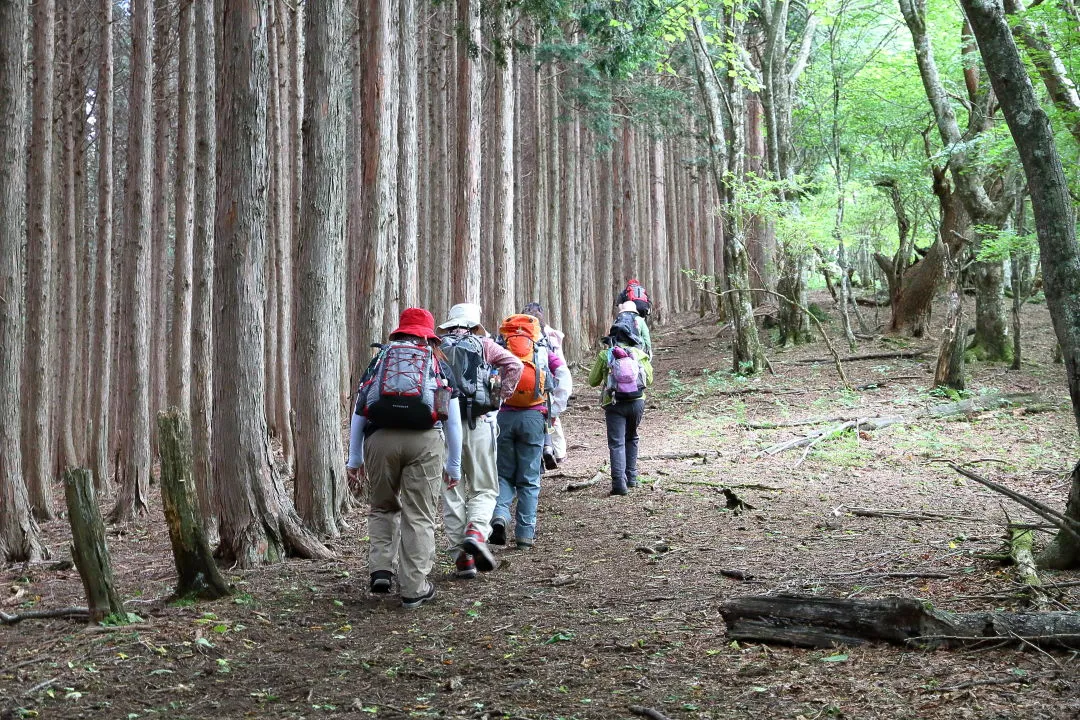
(474,375)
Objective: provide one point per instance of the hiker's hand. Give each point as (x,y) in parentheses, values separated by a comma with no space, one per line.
(450,482)
(357,476)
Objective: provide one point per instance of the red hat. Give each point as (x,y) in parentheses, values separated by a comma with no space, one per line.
(418,322)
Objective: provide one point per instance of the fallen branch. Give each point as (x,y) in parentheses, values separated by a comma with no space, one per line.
(901,354)
(648,712)
(570,487)
(909,514)
(687,455)
(79,612)
(1008,680)
(1061,522)
(868,424)
(794,423)
(826,622)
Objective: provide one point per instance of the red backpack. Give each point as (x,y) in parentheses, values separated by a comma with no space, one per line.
(635,292)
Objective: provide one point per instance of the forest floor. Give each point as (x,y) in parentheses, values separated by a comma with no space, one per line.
(616,606)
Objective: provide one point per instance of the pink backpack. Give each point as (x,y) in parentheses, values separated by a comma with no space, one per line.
(626,375)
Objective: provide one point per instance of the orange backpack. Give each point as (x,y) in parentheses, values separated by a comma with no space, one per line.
(523,336)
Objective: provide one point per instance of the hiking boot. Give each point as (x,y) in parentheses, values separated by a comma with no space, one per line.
(524,543)
(550,463)
(632,483)
(380,581)
(465,567)
(498,532)
(474,545)
(618,490)
(410,603)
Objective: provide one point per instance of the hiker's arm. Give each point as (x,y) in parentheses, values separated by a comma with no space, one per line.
(647,364)
(599,369)
(508,365)
(564,386)
(356,441)
(452,426)
(646,335)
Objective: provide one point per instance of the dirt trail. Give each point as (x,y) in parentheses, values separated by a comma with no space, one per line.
(616,606)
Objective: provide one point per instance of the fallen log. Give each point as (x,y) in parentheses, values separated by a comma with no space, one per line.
(1020,545)
(900,354)
(76,612)
(807,621)
(981,403)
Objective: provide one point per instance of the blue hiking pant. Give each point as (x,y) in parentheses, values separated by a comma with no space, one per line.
(520,448)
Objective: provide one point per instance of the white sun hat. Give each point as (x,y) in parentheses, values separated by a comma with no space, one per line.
(628,306)
(465,315)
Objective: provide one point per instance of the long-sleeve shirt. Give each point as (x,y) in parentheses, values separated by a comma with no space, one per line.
(507,363)
(451,426)
(599,373)
(646,336)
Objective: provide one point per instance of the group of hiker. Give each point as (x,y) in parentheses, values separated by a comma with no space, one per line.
(448,411)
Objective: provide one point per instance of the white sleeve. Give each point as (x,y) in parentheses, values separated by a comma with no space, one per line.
(356,441)
(564,387)
(452,425)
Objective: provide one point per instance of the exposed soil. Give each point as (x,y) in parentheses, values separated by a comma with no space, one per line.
(616,606)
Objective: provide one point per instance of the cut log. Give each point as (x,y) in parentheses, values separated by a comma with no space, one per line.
(807,621)
(197,573)
(88,548)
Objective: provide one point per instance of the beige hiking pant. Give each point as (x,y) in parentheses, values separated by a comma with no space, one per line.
(404,469)
(473,500)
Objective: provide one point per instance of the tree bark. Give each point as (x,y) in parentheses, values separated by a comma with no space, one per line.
(320,481)
(203,267)
(134,475)
(467,281)
(1052,207)
(179,359)
(258,522)
(68,276)
(505,268)
(102,374)
(37,371)
(88,548)
(408,185)
(20,538)
(161,298)
(197,573)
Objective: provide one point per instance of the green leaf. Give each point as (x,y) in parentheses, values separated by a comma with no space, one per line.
(835,658)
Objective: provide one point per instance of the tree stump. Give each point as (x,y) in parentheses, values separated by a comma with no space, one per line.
(88,548)
(197,573)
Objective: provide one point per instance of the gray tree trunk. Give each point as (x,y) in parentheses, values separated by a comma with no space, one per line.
(102,374)
(320,480)
(161,298)
(178,368)
(1055,221)
(20,538)
(134,474)
(503,242)
(203,267)
(38,365)
(467,282)
(258,521)
(408,185)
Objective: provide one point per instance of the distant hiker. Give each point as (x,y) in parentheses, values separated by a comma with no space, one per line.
(486,376)
(629,310)
(406,435)
(555,440)
(540,393)
(635,293)
(624,371)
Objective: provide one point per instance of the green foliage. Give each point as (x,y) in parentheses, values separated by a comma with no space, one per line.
(996,245)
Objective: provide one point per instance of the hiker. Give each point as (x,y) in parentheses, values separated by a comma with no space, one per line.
(540,394)
(624,371)
(486,376)
(635,293)
(630,311)
(555,440)
(406,435)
